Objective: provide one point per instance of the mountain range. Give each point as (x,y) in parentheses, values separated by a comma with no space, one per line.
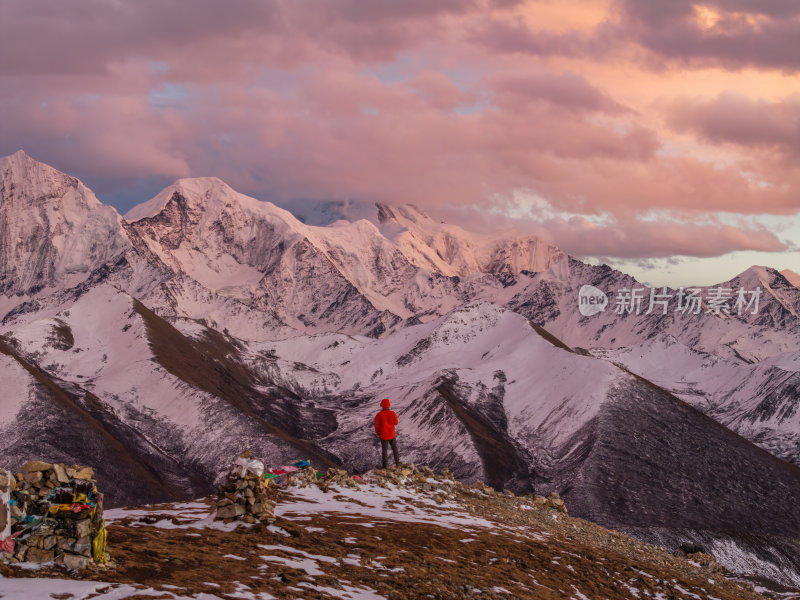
(157,345)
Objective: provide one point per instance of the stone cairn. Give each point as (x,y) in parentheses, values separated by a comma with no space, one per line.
(243,496)
(56,514)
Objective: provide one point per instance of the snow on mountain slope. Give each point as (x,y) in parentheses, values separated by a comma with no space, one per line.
(179,226)
(779,306)
(107,349)
(477,349)
(480,391)
(791,277)
(53,231)
(406,268)
(181,297)
(478,338)
(17,390)
(443,248)
(345,277)
(759,401)
(550,299)
(61,421)
(452,251)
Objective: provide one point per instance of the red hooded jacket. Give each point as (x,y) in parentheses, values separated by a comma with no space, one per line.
(385,421)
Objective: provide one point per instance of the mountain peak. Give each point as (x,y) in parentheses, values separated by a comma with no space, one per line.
(454,251)
(21,160)
(400,213)
(196,184)
(67,231)
(767,277)
(193,189)
(755,274)
(20,156)
(29,177)
(791,277)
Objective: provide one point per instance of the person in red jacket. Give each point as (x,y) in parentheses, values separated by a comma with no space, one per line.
(385,422)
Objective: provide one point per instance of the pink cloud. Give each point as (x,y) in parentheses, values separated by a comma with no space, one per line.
(439,92)
(503,35)
(737,119)
(741,34)
(99,134)
(629,237)
(569,91)
(645,239)
(204,39)
(441,103)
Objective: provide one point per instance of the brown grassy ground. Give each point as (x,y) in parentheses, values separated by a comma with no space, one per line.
(529,553)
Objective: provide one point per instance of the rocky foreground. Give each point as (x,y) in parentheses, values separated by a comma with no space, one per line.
(397,534)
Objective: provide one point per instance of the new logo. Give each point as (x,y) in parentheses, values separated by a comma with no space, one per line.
(591,300)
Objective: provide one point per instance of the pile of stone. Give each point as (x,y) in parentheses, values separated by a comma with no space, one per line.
(243,496)
(336,477)
(442,486)
(419,478)
(410,476)
(555,502)
(308,476)
(55,513)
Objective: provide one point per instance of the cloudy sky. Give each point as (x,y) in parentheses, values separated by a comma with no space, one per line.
(660,136)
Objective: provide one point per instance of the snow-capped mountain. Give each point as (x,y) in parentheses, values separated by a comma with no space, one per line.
(550,299)
(353,277)
(450,250)
(759,400)
(53,230)
(156,346)
(444,248)
(346,277)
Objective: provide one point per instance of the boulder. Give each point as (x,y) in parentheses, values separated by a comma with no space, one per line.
(83,546)
(85,474)
(83,528)
(33,477)
(39,555)
(73,562)
(231,511)
(60,473)
(35,465)
(555,502)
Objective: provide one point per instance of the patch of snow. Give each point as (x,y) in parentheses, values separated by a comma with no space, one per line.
(44,589)
(348,592)
(305,564)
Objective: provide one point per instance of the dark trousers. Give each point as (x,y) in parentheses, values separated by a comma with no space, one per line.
(385,451)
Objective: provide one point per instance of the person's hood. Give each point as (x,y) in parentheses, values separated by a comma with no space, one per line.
(385,403)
